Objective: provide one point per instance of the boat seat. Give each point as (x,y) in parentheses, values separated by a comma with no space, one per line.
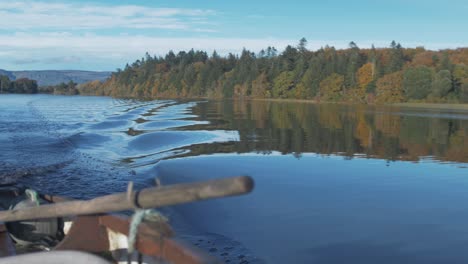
(55,257)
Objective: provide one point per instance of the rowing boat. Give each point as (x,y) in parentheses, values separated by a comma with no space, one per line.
(68,236)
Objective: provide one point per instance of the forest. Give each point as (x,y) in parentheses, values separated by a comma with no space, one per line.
(69,88)
(375,75)
(27,86)
(22,86)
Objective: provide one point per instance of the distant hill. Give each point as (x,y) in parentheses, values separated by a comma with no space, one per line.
(54,77)
(7,73)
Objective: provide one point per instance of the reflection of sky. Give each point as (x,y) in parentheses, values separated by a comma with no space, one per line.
(321,206)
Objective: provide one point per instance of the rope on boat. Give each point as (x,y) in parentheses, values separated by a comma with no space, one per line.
(139,216)
(33,196)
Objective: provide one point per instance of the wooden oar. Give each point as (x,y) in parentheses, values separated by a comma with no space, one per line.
(146,198)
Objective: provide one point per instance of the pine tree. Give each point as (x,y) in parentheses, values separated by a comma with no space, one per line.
(396,58)
(352,66)
(302,45)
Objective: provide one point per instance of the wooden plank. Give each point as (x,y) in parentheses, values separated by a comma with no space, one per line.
(155,240)
(121,224)
(7,248)
(146,198)
(86,234)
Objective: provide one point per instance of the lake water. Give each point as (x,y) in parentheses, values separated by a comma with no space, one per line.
(334,183)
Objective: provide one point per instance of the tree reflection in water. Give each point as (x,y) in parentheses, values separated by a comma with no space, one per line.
(383,132)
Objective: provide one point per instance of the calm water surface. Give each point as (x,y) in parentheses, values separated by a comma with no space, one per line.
(334,183)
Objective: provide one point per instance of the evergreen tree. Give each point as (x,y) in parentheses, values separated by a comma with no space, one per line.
(353,65)
(445,63)
(417,82)
(302,46)
(5,84)
(396,58)
(442,84)
(289,58)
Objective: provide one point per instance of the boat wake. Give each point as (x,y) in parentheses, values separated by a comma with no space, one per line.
(86,147)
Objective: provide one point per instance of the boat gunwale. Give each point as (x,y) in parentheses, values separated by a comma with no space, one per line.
(90,233)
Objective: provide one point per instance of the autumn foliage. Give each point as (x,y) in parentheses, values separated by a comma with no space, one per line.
(393,74)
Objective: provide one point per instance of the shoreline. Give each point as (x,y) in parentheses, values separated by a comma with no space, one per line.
(421,105)
(442,106)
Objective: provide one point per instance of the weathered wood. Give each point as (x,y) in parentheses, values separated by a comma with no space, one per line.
(7,248)
(146,198)
(86,234)
(157,241)
(121,224)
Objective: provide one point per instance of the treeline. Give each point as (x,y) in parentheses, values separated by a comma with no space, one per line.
(376,75)
(23,85)
(70,88)
(27,86)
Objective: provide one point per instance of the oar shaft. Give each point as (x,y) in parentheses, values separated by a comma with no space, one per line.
(146,198)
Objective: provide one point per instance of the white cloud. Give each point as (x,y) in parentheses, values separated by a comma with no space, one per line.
(126,44)
(96,52)
(26,15)
(93,51)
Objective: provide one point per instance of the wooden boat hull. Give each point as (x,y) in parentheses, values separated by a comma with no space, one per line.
(106,235)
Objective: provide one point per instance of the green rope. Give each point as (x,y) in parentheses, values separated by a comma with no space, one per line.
(33,196)
(139,216)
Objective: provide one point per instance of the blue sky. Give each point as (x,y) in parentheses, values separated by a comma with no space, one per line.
(104,35)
